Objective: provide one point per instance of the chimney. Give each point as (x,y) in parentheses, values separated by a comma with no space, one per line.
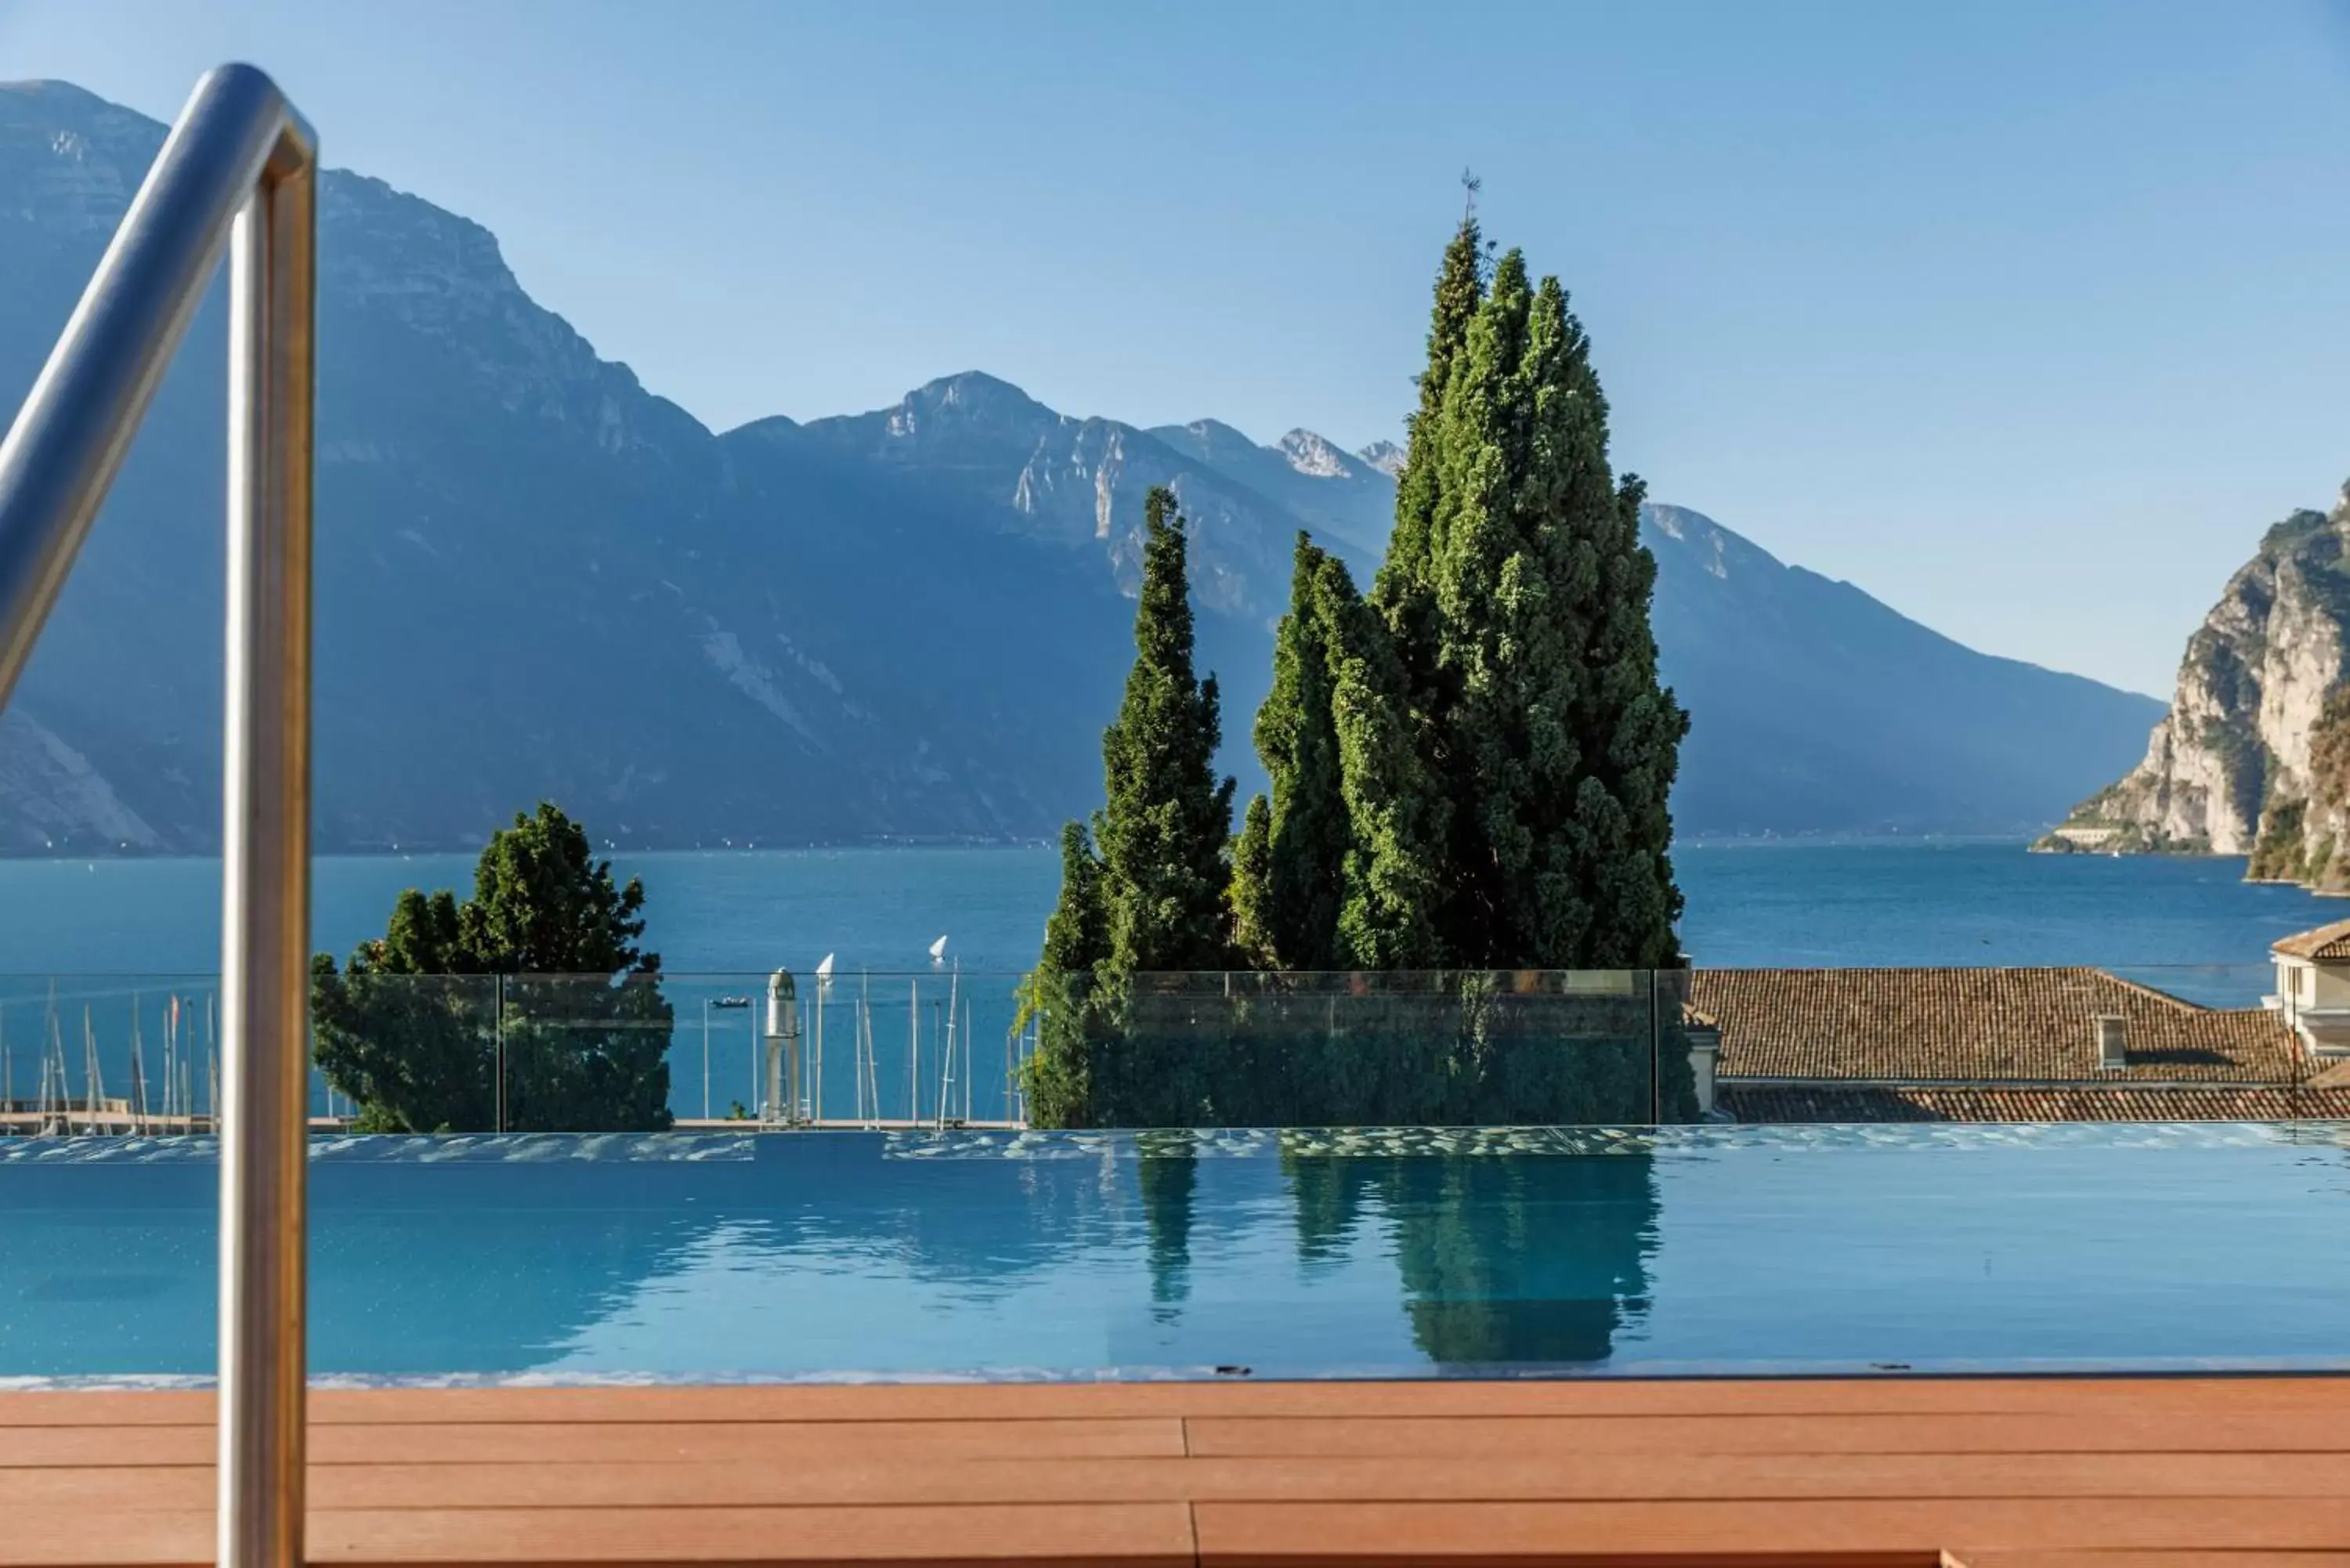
(2113,1044)
(1704,1054)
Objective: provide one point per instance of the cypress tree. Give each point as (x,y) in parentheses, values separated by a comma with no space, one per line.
(1340,874)
(1297,740)
(1403,578)
(1553,737)
(1153,890)
(1164,832)
(1058,1081)
(1076,934)
(1404,589)
(1253,944)
(1389,885)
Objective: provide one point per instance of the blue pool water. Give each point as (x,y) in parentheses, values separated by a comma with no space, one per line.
(1296,1255)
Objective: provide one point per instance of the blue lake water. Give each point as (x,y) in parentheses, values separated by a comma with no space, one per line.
(128,935)
(843,1255)
(1787,903)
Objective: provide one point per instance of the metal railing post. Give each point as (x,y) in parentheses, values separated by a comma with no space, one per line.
(238,169)
(266,866)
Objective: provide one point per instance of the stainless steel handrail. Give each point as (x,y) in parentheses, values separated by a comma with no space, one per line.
(239,170)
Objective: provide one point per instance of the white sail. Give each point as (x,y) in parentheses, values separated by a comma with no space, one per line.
(823,970)
(939,950)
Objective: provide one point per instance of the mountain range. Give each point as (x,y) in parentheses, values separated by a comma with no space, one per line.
(538,578)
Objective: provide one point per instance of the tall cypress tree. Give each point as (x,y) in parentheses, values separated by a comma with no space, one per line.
(1306,834)
(1404,589)
(1460,289)
(1165,829)
(1336,871)
(1076,934)
(1149,890)
(1250,889)
(1059,995)
(1390,882)
(1553,737)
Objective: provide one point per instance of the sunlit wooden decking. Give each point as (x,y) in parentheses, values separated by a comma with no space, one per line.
(2076,1473)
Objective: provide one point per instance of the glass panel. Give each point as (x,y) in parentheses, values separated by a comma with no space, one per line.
(1470,1049)
(108,1054)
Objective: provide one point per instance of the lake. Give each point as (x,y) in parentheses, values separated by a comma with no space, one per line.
(717,912)
(114,941)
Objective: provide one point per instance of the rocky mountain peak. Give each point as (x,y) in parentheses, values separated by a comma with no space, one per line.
(1312,456)
(70,160)
(1716,550)
(1212,441)
(1385,456)
(969,398)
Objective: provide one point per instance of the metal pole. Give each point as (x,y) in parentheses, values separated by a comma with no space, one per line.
(266,862)
(498,1047)
(783,1051)
(1656,1053)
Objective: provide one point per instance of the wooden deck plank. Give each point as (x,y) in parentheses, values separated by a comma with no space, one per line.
(2008,1473)
(483,1442)
(2148,1560)
(1987,1396)
(892,1481)
(1126,1533)
(1360,1400)
(1328,1533)
(2103,1432)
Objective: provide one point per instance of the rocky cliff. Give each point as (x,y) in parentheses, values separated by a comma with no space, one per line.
(2253,757)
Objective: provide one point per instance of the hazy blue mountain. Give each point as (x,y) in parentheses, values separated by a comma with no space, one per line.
(1348,501)
(538,578)
(1814,708)
(533,577)
(1073,482)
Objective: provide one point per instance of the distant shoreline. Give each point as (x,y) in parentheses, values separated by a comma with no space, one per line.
(2022,839)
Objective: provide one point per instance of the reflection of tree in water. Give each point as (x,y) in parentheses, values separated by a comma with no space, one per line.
(1503,1259)
(1169,1173)
(1329,1194)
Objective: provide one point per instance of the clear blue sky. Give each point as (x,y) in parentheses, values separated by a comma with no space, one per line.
(2026,317)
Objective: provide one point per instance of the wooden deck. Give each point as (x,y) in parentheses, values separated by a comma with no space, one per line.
(2076,1473)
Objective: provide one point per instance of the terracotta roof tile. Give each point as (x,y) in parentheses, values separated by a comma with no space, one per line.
(2082,1103)
(2037,1025)
(2325,943)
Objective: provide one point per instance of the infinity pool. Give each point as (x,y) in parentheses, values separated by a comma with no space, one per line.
(847,1255)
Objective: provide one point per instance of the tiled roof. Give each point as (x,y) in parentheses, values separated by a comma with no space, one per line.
(2084,1103)
(2325,943)
(2036,1025)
